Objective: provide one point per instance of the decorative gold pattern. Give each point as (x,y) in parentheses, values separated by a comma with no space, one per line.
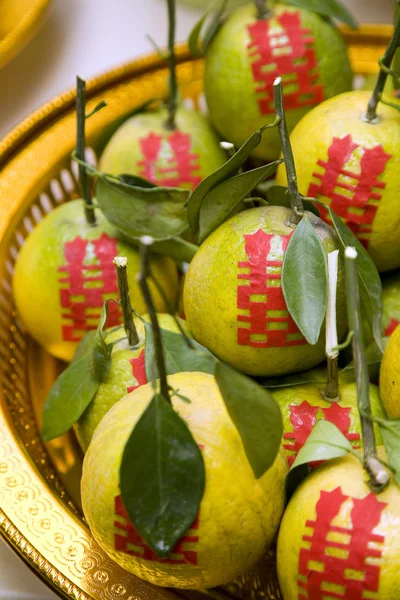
(39,506)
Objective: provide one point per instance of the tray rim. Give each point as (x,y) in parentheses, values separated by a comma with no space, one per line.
(24,134)
(18,37)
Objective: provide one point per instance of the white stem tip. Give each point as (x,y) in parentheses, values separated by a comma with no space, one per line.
(120,261)
(278,81)
(350,252)
(226,145)
(146,240)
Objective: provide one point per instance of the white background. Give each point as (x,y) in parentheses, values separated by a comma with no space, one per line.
(86,37)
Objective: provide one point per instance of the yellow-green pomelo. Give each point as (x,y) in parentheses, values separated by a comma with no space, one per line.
(338,539)
(238,516)
(127,371)
(389,380)
(246,55)
(303,405)
(354,167)
(64,273)
(143,146)
(391,304)
(233,297)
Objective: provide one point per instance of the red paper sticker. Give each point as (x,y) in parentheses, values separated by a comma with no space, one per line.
(88,279)
(184,165)
(138,371)
(303,418)
(284,49)
(267,319)
(128,541)
(343,564)
(353,196)
(391,327)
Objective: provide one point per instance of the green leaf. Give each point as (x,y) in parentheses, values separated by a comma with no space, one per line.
(176,248)
(68,399)
(325,442)
(179,358)
(224,200)
(277,195)
(100,362)
(305,280)
(231,167)
(136,211)
(370,282)
(135,180)
(255,414)
(85,346)
(390,430)
(214,26)
(328,8)
(194,37)
(162,476)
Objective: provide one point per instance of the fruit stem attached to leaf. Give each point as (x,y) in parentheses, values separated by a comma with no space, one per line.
(80,149)
(263,12)
(130,329)
(379,477)
(385,64)
(145,243)
(173,83)
(331,392)
(294,194)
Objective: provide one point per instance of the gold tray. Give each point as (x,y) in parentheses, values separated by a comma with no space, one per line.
(19,22)
(40,515)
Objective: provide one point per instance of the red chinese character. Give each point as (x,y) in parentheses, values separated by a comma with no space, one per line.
(356,202)
(269,322)
(89,280)
(348,571)
(138,371)
(391,327)
(303,418)
(128,541)
(289,51)
(184,165)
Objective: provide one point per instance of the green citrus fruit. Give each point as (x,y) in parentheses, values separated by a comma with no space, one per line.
(353,166)
(181,158)
(233,297)
(338,539)
(239,515)
(303,405)
(389,380)
(306,50)
(127,372)
(64,273)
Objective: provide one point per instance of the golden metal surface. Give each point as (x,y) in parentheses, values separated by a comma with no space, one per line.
(39,502)
(19,21)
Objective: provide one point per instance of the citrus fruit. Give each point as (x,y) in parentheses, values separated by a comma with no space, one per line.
(303,405)
(238,516)
(338,539)
(353,166)
(390,376)
(127,372)
(64,273)
(180,158)
(391,304)
(233,297)
(246,56)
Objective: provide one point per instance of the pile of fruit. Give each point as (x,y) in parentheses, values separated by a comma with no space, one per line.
(202,304)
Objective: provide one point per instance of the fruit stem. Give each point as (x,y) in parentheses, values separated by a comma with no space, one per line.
(384,63)
(80,149)
(294,194)
(145,243)
(331,392)
(121,263)
(379,477)
(173,83)
(263,11)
